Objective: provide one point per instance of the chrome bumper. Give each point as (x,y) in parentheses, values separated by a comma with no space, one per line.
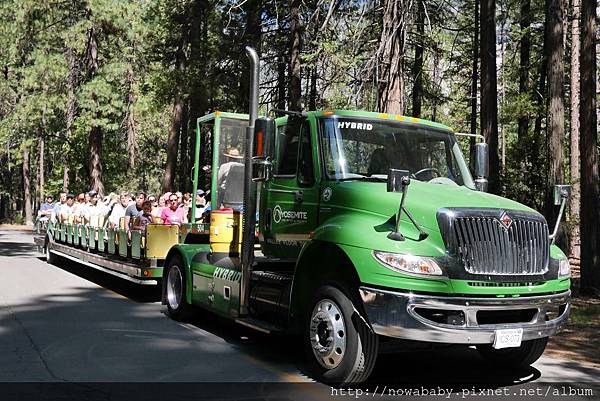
(393,314)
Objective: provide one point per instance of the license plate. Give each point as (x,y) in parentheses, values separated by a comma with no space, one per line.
(508,338)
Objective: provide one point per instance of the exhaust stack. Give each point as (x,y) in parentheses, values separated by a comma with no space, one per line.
(249,205)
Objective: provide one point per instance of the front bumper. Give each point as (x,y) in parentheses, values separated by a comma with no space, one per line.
(397,314)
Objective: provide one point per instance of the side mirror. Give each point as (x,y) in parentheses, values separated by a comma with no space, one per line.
(264,137)
(261,169)
(481,166)
(397,180)
(561,192)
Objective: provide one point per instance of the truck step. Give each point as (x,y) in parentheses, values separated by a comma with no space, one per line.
(260,325)
(272,277)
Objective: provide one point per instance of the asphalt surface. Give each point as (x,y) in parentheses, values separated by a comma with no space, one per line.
(68,323)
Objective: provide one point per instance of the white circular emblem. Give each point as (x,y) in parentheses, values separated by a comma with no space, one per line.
(277,214)
(327,194)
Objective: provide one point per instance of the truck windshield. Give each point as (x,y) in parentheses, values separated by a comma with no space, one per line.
(365,149)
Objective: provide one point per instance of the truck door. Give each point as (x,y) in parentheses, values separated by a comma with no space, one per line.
(290,199)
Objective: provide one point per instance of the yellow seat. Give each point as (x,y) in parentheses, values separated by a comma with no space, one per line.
(159,239)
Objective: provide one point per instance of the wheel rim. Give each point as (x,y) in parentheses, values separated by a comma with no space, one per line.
(174,287)
(328,334)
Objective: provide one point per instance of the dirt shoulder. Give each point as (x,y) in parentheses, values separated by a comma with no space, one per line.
(16,227)
(579,339)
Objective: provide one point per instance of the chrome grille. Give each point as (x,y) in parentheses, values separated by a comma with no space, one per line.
(486,246)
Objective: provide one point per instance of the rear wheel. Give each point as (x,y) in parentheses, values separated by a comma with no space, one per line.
(175,290)
(341,347)
(523,356)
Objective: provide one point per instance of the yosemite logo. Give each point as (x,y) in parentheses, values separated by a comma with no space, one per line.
(288,216)
(355,125)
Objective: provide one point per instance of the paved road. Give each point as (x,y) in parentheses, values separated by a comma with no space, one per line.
(66,323)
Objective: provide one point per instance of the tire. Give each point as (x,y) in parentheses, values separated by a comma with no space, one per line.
(176,289)
(347,357)
(517,357)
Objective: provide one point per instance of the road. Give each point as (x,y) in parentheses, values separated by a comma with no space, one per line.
(66,323)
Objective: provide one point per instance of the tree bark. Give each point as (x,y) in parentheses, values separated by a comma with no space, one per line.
(555,125)
(574,248)
(417,95)
(130,122)
(281,83)
(524,57)
(474,86)
(489,90)
(173,138)
(95,134)
(295,72)
(390,54)
(590,237)
(72,83)
(41,173)
(27,188)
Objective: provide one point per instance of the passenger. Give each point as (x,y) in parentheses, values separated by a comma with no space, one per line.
(135,209)
(200,205)
(66,210)
(46,208)
(234,159)
(158,208)
(145,217)
(94,208)
(173,214)
(78,208)
(179,198)
(56,211)
(118,210)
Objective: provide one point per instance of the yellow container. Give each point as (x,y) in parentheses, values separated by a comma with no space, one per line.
(225,231)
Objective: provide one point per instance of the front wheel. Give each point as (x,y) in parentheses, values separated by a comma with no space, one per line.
(517,357)
(175,290)
(342,348)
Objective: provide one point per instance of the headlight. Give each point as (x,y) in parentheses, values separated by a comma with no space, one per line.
(409,263)
(564,268)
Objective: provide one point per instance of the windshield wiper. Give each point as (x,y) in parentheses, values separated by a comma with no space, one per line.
(365,178)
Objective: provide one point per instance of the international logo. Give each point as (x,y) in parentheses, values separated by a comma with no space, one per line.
(506,220)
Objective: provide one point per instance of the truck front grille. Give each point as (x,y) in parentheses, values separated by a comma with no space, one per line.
(497,242)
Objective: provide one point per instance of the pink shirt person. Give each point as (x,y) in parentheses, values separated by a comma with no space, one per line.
(173,214)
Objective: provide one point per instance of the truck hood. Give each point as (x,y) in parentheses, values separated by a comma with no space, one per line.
(423,200)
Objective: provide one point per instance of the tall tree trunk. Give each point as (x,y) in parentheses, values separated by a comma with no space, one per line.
(41,173)
(130,121)
(72,83)
(489,90)
(173,138)
(295,73)
(390,55)
(312,97)
(27,188)
(474,87)
(555,125)
(281,83)
(574,250)
(95,163)
(590,236)
(525,54)
(95,134)
(417,95)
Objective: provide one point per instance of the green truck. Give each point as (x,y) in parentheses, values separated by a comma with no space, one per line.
(362,232)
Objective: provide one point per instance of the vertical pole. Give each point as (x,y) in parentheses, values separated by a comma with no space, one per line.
(249,212)
(216,140)
(196,171)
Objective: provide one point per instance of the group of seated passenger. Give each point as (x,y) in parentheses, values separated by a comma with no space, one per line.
(124,210)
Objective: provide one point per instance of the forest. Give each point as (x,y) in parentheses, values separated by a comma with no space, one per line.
(105,94)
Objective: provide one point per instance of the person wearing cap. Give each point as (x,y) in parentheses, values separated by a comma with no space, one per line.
(46,208)
(94,207)
(66,210)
